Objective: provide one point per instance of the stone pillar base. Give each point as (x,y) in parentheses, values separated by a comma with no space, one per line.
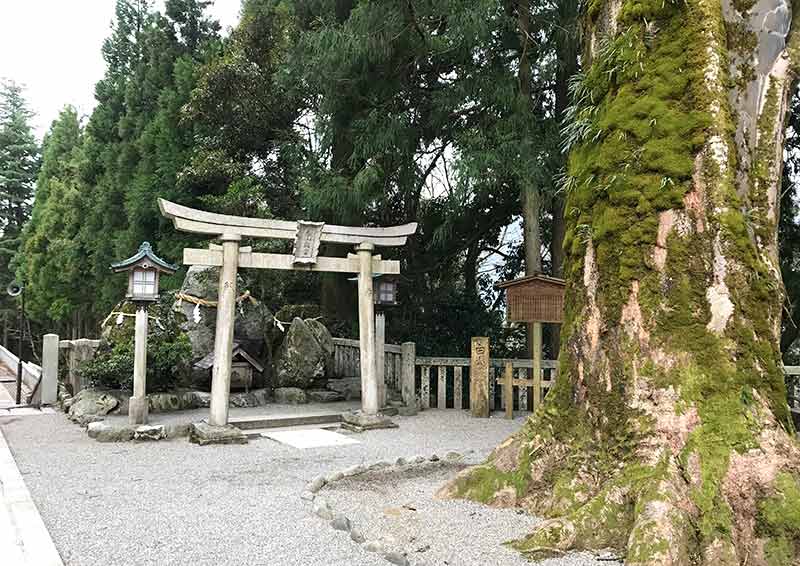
(358,421)
(137,410)
(203,433)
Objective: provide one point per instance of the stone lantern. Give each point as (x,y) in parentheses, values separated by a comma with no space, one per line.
(144,269)
(386,291)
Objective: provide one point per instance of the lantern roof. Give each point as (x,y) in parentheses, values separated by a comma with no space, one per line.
(146,258)
(530,279)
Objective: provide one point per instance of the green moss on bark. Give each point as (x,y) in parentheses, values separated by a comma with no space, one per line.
(779,522)
(643,127)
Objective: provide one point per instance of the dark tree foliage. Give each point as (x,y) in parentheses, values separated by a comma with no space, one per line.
(789,234)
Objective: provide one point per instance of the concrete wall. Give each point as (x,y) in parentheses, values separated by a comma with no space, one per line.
(30,371)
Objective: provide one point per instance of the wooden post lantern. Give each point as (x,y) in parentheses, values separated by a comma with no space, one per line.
(143,271)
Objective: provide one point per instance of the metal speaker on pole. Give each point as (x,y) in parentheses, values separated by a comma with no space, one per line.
(14,289)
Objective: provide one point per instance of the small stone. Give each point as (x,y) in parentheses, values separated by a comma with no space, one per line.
(453,456)
(434,458)
(396,558)
(150,432)
(407,411)
(290,396)
(103,432)
(334,477)
(341,523)
(95,428)
(417,460)
(424,548)
(203,434)
(354,471)
(322,509)
(374,546)
(400,462)
(356,535)
(324,396)
(307,496)
(316,484)
(358,421)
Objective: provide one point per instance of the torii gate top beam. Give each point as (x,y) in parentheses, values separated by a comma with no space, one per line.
(196,221)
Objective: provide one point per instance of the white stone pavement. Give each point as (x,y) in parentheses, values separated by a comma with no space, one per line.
(24,540)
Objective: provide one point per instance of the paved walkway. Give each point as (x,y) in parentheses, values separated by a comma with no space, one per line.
(24,539)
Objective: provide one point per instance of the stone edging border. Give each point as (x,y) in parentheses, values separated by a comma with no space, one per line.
(340,522)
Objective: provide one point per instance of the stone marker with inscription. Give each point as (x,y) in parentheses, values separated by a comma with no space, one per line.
(479,378)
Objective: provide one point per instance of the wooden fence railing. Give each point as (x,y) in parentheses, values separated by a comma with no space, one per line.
(347,361)
(439,382)
(443,383)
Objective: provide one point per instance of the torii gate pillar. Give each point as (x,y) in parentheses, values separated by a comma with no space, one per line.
(223,339)
(370,402)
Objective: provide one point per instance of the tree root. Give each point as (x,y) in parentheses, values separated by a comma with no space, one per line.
(649,510)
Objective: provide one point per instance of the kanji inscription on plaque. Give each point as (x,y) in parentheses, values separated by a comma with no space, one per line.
(306,243)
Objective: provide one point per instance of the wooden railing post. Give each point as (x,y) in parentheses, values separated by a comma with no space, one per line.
(508,390)
(537,365)
(409,362)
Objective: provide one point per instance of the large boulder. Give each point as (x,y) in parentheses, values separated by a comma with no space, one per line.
(195,303)
(304,354)
(90,405)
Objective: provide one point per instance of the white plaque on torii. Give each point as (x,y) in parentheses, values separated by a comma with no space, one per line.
(307,237)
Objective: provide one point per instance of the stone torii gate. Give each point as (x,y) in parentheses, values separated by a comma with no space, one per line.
(307,237)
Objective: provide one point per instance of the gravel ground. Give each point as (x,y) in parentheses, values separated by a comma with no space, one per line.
(175,503)
(398,507)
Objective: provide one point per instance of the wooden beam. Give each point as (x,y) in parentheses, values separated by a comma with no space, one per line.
(213,258)
(201,222)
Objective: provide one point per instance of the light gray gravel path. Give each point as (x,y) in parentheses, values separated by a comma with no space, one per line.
(172,502)
(397,506)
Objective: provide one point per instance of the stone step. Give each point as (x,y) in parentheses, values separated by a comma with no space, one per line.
(254,433)
(280,421)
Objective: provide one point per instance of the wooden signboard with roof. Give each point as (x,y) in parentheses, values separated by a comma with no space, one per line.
(534,299)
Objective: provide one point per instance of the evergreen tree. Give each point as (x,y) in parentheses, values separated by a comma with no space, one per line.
(52,261)
(135,146)
(19,162)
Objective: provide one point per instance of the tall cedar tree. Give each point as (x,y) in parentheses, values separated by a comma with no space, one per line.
(52,261)
(667,435)
(135,145)
(19,163)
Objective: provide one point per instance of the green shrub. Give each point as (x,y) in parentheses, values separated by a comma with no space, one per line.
(169,352)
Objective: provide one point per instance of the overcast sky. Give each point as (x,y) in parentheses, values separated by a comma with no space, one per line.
(52,48)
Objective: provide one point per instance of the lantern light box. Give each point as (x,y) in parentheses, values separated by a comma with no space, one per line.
(143,270)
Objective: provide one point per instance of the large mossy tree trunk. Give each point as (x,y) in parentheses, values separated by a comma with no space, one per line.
(667,435)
